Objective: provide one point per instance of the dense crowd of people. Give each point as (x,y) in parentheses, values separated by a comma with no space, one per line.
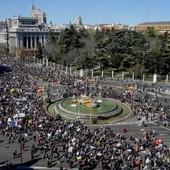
(23,117)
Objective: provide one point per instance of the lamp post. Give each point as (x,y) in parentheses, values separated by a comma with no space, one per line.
(155,76)
(78,111)
(146,50)
(167,73)
(20,142)
(7,37)
(90,113)
(21,147)
(143,63)
(101,68)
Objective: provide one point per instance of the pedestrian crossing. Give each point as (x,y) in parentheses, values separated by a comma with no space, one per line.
(128,123)
(139,123)
(40,167)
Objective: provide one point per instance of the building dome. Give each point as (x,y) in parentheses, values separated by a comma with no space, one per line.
(78,20)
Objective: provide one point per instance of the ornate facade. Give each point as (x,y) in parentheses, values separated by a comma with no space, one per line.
(24,33)
(37,13)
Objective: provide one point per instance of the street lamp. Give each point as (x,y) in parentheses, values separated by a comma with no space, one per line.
(90,113)
(143,63)
(7,36)
(167,73)
(78,110)
(101,67)
(20,142)
(146,50)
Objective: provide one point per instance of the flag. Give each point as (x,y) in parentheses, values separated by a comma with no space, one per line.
(157,141)
(41,89)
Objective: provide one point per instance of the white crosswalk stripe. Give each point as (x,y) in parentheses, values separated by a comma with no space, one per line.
(125,123)
(39,168)
(128,123)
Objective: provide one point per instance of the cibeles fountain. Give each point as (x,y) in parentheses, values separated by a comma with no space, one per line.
(86,101)
(89,109)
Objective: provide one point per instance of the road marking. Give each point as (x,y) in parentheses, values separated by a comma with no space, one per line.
(130,123)
(125,123)
(163,127)
(162,134)
(39,167)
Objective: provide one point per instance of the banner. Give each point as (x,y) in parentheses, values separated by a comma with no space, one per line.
(21,115)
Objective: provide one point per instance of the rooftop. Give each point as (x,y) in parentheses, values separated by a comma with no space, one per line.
(155,23)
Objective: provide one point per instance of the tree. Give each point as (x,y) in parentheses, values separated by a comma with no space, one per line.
(165,53)
(152,63)
(69,39)
(39,50)
(51,38)
(121,46)
(151,32)
(51,47)
(120,49)
(72,45)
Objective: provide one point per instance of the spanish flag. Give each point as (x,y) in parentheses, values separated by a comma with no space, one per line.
(41,89)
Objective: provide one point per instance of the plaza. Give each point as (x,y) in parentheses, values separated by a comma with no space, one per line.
(83,96)
(37,119)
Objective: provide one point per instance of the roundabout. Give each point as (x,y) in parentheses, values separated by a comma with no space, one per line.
(90,111)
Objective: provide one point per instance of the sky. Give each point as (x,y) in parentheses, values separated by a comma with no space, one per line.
(128,12)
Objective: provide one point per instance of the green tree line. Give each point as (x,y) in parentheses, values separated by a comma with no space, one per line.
(123,50)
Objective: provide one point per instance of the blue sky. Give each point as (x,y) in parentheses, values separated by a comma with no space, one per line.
(92,11)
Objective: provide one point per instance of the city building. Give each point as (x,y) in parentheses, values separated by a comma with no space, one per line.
(40,15)
(78,25)
(78,21)
(161,26)
(2,31)
(22,34)
(114,26)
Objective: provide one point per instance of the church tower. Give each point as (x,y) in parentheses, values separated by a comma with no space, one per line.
(37,13)
(32,8)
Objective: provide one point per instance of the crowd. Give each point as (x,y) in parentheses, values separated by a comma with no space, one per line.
(23,118)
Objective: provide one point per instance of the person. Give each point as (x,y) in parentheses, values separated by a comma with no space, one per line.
(50,162)
(10,166)
(143,123)
(15,153)
(124,130)
(34,137)
(23,146)
(32,155)
(71,164)
(61,167)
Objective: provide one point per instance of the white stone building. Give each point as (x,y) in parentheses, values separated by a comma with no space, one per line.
(24,33)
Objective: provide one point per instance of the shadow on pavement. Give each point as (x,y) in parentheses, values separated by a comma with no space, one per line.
(25,165)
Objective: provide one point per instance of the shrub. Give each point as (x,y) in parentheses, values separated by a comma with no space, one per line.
(58,117)
(47,100)
(94,120)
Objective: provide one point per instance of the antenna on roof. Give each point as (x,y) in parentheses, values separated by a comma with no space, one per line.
(70,21)
(147,10)
(33,5)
